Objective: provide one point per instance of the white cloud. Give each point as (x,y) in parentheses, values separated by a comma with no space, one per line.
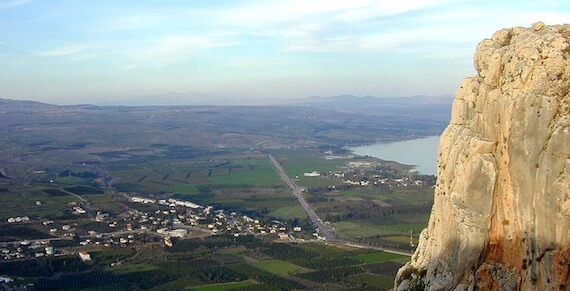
(175,48)
(63,51)
(379,25)
(13,3)
(331,26)
(134,20)
(252,64)
(261,15)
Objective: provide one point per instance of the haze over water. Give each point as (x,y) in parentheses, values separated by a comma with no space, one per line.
(419,152)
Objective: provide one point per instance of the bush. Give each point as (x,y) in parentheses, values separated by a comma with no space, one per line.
(81,281)
(54,192)
(330,262)
(148,279)
(82,190)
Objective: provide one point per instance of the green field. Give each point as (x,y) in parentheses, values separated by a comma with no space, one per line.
(289,212)
(226,286)
(358,230)
(412,196)
(257,177)
(210,264)
(179,284)
(404,227)
(186,177)
(184,189)
(316,182)
(376,257)
(404,239)
(68,180)
(378,282)
(296,163)
(280,268)
(232,182)
(24,202)
(349,193)
(322,249)
(131,268)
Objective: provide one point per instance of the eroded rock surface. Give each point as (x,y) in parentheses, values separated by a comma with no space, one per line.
(501,214)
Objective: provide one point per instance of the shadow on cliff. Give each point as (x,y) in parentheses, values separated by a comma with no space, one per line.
(495,268)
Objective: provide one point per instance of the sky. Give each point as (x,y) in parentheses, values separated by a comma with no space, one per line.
(211,51)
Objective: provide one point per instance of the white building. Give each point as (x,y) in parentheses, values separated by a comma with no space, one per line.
(84,256)
(178,233)
(168,242)
(162,230)
(312,174)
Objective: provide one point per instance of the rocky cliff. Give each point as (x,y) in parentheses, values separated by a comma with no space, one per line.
(501,213)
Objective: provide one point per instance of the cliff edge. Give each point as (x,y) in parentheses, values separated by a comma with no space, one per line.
(501,213)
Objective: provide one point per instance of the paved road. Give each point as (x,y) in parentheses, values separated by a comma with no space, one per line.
(323,230)
(368,247)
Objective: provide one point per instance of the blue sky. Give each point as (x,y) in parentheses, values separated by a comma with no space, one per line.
(121,52)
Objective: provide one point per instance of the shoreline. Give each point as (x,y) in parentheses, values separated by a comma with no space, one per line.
(420,153)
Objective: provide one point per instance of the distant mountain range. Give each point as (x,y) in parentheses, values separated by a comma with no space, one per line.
(6,104)
(370,105)
(332,102)
(340,120)
(350,100)
(188,98)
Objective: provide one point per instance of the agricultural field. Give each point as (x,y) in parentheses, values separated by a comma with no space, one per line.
(226,286)
(35,202)
(280,268)
(212,263)
(230,182)
(289,212)
(387,235)
(188,176)
(297,163)
(246,183)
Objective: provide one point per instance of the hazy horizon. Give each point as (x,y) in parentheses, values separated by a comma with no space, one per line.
(109,52)
(191,100)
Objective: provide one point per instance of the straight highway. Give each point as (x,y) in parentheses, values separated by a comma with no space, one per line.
(323,230)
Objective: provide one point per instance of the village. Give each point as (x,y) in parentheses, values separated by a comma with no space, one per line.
(171,219)
(167,219)
(375,174)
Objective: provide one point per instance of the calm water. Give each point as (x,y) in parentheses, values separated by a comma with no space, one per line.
(419,152)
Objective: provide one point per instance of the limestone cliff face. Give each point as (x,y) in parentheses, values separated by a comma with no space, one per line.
(501,214)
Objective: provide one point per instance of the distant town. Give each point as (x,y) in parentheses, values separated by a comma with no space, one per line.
(172,219)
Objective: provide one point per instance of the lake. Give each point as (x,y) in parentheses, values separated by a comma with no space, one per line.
(421,153)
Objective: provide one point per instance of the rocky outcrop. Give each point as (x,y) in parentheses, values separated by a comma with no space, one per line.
(501,213)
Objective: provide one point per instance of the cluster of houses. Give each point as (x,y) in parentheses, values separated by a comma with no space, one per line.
(18,219)
(26,249)
(24,219)
(170,202)
(364,173)
(78,210)
(43,247)
(170,218)
(181,218)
